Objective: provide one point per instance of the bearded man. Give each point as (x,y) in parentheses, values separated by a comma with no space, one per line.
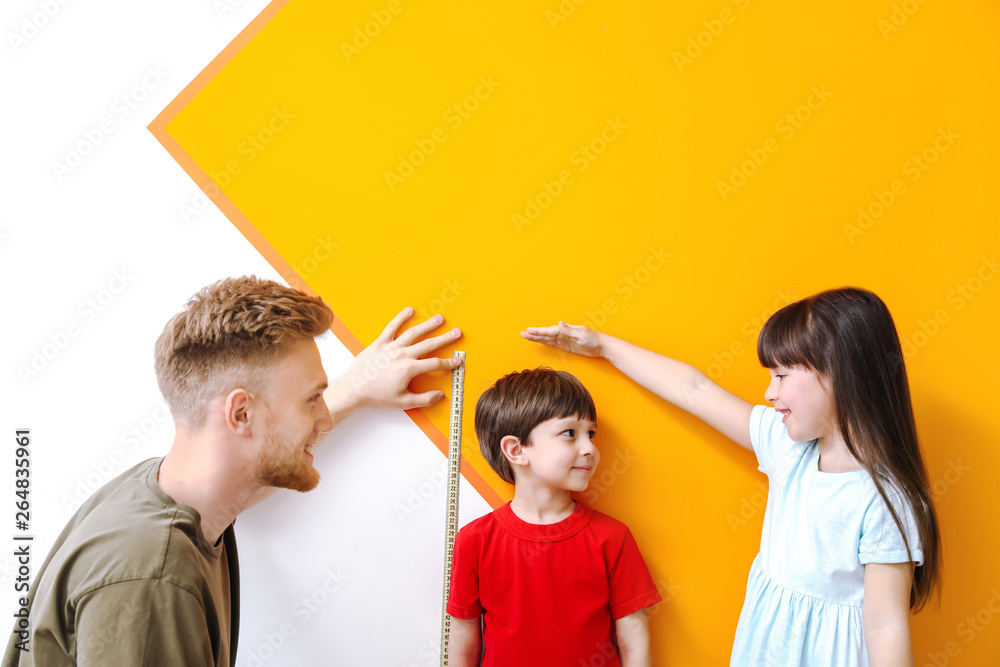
(150,559)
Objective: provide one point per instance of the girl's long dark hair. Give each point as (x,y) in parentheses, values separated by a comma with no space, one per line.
(847,336)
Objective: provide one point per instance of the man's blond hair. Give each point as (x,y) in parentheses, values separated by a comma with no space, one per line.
(229,335)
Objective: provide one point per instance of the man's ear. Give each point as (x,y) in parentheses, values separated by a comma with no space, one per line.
(240,410)
(513,450)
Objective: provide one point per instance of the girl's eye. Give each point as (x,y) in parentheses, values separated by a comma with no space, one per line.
(568,432)
(591,434)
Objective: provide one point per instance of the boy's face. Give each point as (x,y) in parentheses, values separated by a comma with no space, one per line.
(562,454)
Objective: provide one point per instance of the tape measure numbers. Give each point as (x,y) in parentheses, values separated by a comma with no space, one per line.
(451,511)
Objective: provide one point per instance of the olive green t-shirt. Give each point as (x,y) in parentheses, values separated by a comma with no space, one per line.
(132,581)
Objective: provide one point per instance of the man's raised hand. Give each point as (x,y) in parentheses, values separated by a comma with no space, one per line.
(381,374)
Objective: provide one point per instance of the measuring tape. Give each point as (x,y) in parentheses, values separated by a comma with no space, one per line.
(454,472)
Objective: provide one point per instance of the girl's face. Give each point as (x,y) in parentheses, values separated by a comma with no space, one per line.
(805,400)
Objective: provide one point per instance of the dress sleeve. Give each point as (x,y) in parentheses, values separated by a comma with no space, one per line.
(143,622)
(630,582)
(881,541)
(765,430)
(463,593)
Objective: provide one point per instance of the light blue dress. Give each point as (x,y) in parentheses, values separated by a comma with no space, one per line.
(806,585)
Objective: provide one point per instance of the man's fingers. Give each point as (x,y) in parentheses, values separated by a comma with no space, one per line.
(423,400)
(425,347)
(434,364)
(413,333)
(390,329)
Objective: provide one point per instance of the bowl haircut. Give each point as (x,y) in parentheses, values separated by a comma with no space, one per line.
(520,401)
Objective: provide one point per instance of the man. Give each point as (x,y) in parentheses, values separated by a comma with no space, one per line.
(146,572)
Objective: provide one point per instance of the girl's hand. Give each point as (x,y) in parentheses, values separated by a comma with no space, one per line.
(573,338)
(670,379)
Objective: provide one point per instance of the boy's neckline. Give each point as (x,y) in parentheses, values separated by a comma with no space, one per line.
(529,508)
(539,532)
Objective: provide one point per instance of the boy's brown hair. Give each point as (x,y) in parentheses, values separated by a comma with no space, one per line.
(520,401)
(228,336)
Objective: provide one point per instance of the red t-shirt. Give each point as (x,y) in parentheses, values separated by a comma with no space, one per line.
(549,594)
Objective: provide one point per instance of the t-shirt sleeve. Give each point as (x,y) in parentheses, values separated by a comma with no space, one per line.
(762,435)
(143,622)
(463,593)
(881,541)
(630,582)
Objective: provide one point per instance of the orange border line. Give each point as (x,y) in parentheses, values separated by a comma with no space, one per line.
(158,128)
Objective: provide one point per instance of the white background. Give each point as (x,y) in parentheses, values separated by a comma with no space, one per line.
(96,257)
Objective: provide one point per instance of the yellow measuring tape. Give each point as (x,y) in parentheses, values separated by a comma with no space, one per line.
(454,473)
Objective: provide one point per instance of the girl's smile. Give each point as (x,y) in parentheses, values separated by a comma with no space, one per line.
(805,402)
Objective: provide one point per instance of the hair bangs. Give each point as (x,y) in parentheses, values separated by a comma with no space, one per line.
(571,399)
(789,338)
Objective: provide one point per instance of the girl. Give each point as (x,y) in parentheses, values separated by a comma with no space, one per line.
(850,540)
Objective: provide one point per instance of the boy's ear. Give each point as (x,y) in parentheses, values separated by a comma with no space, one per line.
(513,450)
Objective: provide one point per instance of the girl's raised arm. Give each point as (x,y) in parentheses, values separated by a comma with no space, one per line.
(674,381)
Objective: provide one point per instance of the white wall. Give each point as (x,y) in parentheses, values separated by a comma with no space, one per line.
(96,257)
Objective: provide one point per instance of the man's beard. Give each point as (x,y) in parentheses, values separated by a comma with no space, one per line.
(278,467)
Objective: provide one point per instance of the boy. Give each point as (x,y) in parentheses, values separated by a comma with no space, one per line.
(554,582)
